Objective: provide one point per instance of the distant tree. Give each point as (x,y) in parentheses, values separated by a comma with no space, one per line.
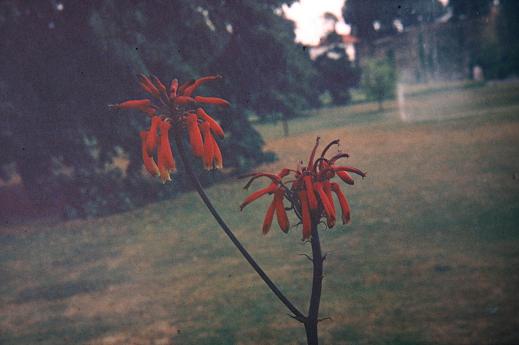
(378,80)
(508,27)
(336,72)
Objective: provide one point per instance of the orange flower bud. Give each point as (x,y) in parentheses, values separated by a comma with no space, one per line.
(212,123)
(149,163)
(212,100)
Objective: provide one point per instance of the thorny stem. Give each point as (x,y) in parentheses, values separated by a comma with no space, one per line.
(196,183)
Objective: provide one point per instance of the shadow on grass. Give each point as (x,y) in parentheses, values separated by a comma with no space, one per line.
(59,330)
(62,290)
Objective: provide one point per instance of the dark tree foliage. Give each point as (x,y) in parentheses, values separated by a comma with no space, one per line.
(275,75)
(336,72)
(463,9)
(61,67)
(362,14)
(508,27)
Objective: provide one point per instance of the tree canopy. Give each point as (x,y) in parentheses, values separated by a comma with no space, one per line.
(62,63)
(363,14)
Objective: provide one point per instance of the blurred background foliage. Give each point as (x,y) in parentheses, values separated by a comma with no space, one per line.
(61,66)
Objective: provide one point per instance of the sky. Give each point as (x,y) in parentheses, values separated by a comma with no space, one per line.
(308,16)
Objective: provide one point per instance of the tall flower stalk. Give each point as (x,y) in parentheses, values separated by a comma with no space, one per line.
(307,189)
(308,192)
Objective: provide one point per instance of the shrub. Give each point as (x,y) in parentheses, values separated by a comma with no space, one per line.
(378,80)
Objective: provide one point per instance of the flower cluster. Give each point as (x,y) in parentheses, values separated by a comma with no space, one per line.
(175,106)
(310,191)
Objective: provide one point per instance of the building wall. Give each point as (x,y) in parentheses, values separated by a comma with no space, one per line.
(436,51)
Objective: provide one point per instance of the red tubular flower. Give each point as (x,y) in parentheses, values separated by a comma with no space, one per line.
(139,104)
(215,127)
(195,136)
(350,169)
(328,191)
(165,175)
(306,216)
(208,146)
(309,185)
(151,111)
(173,88)
(183,100)
(218,159)
(212,100)
(258,194)
(166,161)
(164,152)
(149,163)
(327,204)
(345,206)
(160,86)
(188,90)
(184,85)
(311,181)
(152,139)
(148,86)
(281,213)
(269,216)
(345,177)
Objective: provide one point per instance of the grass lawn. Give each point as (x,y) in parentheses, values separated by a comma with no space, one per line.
(431,255)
